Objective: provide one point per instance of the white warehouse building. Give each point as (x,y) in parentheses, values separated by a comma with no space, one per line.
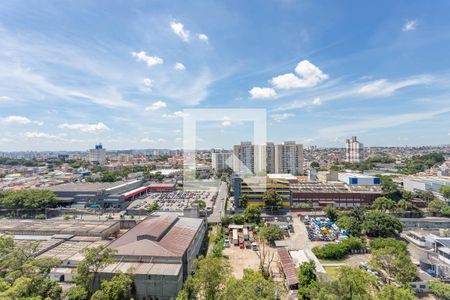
(358,179)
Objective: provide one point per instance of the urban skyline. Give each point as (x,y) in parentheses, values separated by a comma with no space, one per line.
(70,86)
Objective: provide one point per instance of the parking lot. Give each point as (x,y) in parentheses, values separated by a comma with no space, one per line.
(174,201)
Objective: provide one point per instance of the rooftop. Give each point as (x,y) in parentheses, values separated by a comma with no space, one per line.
(164,234)
(85,186)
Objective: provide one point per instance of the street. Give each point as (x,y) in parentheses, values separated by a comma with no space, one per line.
(219,206)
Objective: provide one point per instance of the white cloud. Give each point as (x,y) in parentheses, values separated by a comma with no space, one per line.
(150,60)
(409,25)
(156,106)
(16,120)
(178,29)
(309,76)
(262,93)
(226,123)
(5,99)
(177,114)
(161,140)
(147,140)
(6,140)
(179,66)
(38,123)
(317,101)
(91,128)
(37,135)
(281,117)
(384,87)
(202,37)
(147,85)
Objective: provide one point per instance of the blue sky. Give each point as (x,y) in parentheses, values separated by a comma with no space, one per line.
(74,73)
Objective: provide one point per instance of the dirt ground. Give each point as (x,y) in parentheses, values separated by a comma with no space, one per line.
(241,259)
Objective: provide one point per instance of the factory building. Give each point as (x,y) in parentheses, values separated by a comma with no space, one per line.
(159,252)
(358,179)
(254,189)
(421,184)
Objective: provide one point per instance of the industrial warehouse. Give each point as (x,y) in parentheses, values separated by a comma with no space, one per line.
(158,251)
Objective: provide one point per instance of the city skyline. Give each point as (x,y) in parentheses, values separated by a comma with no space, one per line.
(376,70)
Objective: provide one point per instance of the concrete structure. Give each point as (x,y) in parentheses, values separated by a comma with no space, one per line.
(425,223)
(444,169)
(354,150)
(100,229)
(99,194)
(289,158)
(221,160)
(158,252)
(97,155)
(244,158)
(327,176)
(336,194)
(416,184)
(358,179)
(254,189)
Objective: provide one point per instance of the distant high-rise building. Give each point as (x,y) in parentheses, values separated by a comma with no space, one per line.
(354,150)
(289,158)
(219,159)
(269,158)
(98,154)
(245,154)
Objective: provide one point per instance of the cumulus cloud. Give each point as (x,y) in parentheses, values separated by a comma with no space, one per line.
(147,140)
(226,123)
(179,66)
(202,37)
(262,93)
(156,106)
(177,114)
(178,29)
(281,117)
(16,120)
(149,60)
(91,128)
(309,75)
(317,101)
(37,135)
(147,85)
(409,25)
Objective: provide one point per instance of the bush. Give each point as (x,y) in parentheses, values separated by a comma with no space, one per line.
(40,217)
(271,233)
(379,243)
(338,250)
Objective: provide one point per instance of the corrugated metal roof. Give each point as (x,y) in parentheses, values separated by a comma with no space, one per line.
(174,235)
(143,268)
(288,266)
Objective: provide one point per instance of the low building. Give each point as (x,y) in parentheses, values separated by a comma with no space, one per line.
(158,252)
(422,184)
(358,179)
(338,194)
(254,189)
(104,194)
(426,223)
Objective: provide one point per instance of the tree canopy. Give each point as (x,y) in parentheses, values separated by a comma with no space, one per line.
(28,199)
(272,199)
(379,224)
(271,233)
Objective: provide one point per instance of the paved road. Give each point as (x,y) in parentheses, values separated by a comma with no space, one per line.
(219,206)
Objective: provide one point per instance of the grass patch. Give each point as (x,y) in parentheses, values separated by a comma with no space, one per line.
(333,261)
(332,272)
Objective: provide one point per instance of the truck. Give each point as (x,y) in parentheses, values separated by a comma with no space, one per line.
(235,237)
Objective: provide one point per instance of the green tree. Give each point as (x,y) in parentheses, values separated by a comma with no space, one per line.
(271,233)
(383,204)
(243,201)
(440,289)
(252,213)
(306,277)
(315,165)
(390,188)
(379,243)
(77,293)
(152,208)
(426,196)
(95,258)
(436,207)
(331,213)
(390,292)
(117,288)
(379,224)
(272,199)
(395,263)
(200,203)
(28,199)
(210,276)
(445,191)
(351,283)
(351,224)
(253,286)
